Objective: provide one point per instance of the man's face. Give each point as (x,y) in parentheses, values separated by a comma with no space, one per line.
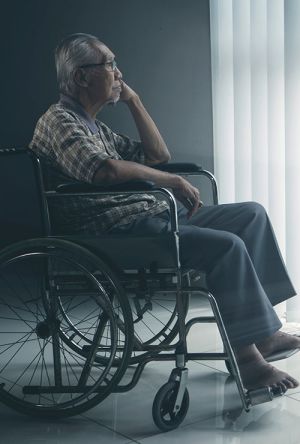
(104,82)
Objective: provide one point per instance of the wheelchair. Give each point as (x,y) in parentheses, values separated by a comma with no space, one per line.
(76,312)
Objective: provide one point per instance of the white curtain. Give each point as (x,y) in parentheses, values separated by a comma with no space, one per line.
(255,48)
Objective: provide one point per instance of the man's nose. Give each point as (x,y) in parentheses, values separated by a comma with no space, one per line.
(118,74)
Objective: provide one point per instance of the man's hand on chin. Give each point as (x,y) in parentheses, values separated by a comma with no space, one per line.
(123,93)
(127,93)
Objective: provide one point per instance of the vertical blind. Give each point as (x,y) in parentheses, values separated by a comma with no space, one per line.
(255,46)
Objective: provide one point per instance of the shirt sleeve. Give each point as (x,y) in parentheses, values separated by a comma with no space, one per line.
(127,148)
(76,151)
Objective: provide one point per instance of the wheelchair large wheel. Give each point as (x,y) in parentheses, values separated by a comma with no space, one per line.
(40,372)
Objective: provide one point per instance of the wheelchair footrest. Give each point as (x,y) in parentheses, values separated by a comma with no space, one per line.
(284,354)
(263,394)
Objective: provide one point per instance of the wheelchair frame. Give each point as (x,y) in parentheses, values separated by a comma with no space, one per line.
(171,402)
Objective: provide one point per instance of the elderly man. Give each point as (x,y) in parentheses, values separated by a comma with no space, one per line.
(233,243)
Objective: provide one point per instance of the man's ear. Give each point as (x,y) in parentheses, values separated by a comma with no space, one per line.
(81,78)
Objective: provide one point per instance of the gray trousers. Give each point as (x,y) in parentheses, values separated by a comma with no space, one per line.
(236,247)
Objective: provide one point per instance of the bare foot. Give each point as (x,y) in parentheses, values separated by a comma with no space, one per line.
(256,376)
(256,372)
(279,341)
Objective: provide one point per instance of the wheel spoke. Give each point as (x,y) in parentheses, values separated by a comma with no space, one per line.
(22,340)
(18,316)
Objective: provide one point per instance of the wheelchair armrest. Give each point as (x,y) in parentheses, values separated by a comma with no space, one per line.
(82,187)
(179,167)
(190,169)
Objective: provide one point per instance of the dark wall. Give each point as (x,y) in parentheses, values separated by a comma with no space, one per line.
(163,51)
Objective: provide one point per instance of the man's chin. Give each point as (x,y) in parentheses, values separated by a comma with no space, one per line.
(114,100)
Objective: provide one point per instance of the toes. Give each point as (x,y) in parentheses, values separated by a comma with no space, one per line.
(293,381)
(288,383)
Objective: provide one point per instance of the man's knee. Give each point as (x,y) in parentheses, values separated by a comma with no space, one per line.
(232,241)
(255,210)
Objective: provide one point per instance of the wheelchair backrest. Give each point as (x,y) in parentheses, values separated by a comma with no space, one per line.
(22,205)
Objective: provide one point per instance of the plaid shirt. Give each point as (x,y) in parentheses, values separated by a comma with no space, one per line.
(71,147)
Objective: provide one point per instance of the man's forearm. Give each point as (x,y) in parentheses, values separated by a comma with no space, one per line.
(118,171)
(155,148)
(115,171)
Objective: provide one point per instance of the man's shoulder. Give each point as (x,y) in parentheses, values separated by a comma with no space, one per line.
(52,125)
(56,112)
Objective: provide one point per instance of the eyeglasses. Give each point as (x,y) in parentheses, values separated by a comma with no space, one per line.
(112,65)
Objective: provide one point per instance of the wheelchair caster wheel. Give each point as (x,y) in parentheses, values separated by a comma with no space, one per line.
(163,413)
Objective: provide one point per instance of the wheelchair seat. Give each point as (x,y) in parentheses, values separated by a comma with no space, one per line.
(134,252)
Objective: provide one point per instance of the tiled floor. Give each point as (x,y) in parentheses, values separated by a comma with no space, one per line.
(215,415)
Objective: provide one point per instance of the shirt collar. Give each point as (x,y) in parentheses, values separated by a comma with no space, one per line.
(71,104)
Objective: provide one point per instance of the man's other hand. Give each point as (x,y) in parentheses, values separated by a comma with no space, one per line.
(188,195)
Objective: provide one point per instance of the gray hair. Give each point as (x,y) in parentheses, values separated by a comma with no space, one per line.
(72,52)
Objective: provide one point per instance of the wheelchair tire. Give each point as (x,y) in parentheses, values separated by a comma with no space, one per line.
(40,373)
(162,410)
